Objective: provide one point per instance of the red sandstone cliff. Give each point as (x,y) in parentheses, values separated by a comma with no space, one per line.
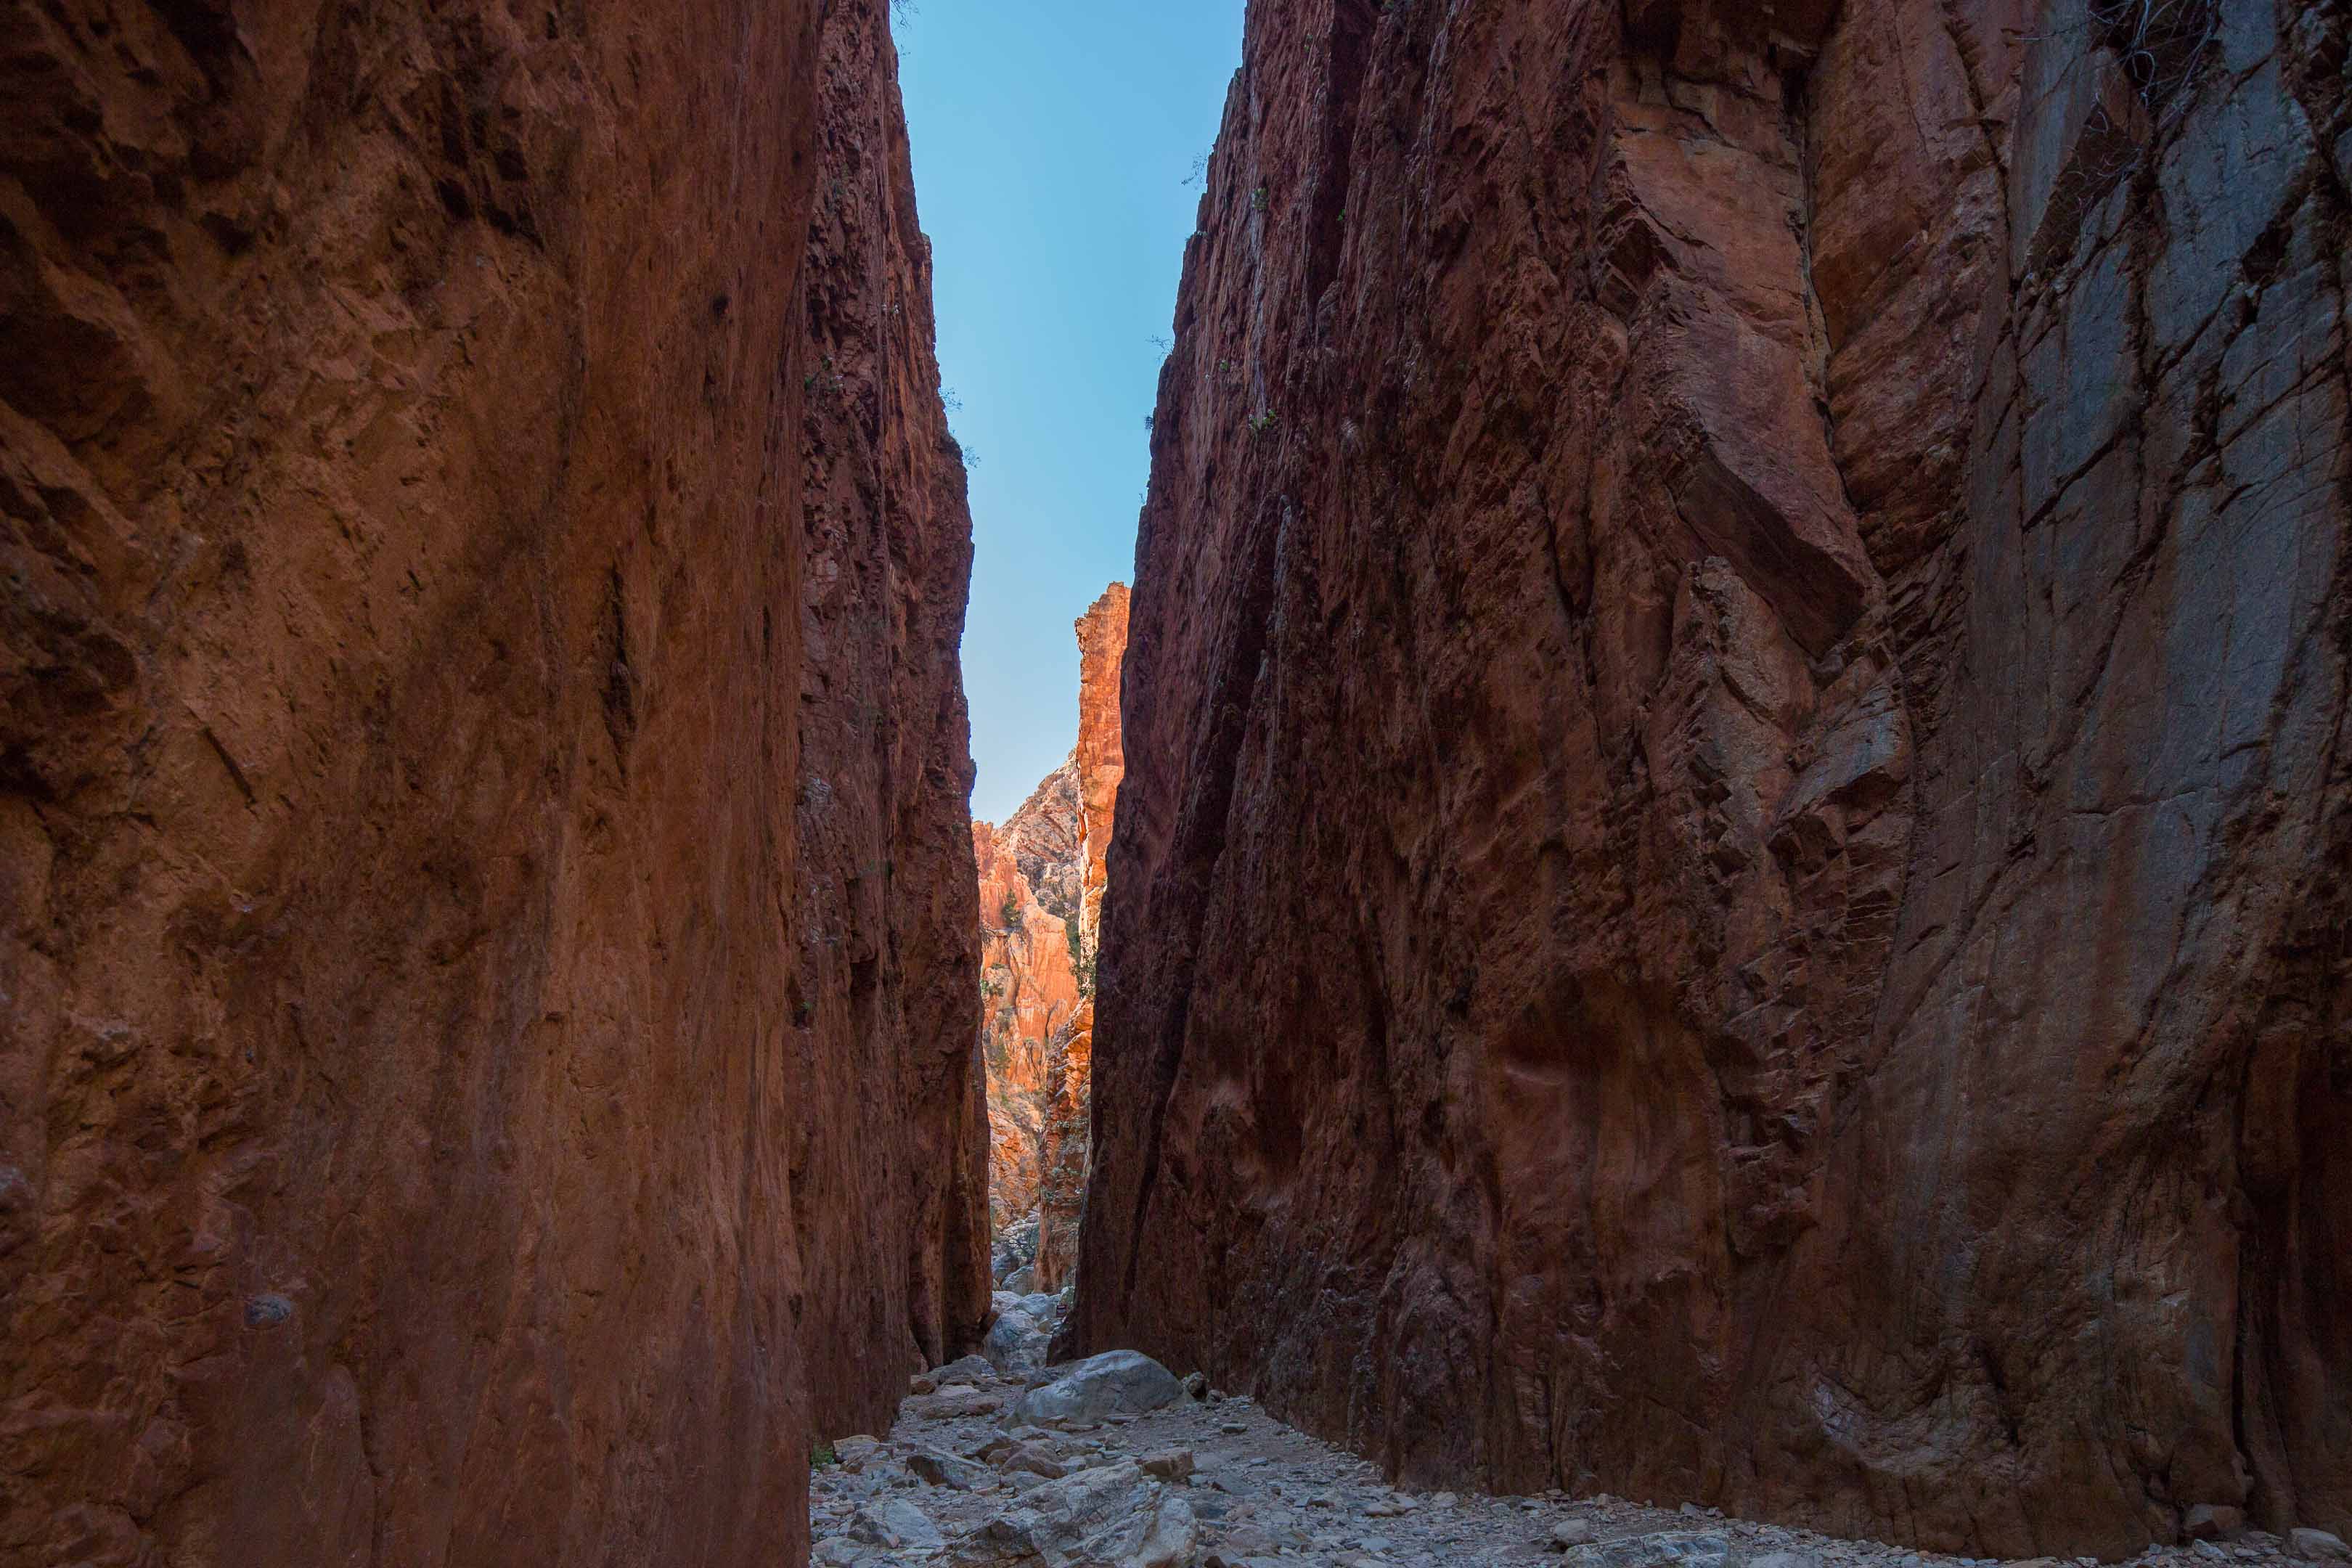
(1041,886)
(1099,758)
(1731,881)
(1028,991)
(1069,1099)
(486,916)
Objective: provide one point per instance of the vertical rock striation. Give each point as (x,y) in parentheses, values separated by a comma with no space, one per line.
(1730,876)
(1100,763)
(1097,758)
(1041,886)
(889,1173)
(486,916)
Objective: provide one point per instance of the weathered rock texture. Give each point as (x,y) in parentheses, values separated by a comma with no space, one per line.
(1732,877)
(890,1175)
(1100,763)
(486,918)
(1041,886)
(1027,992)
(1097,758)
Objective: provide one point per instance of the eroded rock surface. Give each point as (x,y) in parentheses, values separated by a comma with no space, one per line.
(486,912)
(1731,876)
(1041,883)
(1028,994)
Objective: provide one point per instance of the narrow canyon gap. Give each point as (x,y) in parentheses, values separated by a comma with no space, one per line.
(486,917)
(1732,876)
(1042,880)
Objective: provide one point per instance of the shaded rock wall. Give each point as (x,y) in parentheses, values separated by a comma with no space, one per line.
(1729,877)
(485,910)
(889,1173)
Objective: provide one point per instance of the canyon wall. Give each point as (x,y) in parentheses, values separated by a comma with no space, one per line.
(1731,879)
(1041,889)
(1028,990)
(1064,1147)
(889,1166)
(486,916)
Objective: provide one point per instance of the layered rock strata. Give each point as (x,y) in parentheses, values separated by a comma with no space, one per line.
(1730,881)
(485,915)
(1042,878)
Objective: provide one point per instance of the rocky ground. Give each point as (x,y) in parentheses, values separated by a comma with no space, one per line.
(997,1462)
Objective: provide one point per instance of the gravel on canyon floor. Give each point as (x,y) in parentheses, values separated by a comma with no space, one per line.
(1001,1463)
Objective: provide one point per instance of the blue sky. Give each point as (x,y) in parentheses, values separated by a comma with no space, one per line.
(1053,144)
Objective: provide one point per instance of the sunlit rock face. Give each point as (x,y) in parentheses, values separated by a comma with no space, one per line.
(1098,759)
(486,916)
(1028,990)
(1732,874)
(1100,763)
(1042,877)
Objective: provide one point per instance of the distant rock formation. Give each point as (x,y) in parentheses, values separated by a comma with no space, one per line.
(1042,877)
(1064,1147)
(1028,989)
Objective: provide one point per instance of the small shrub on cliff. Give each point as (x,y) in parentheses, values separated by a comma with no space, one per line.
(1082,962)
(1263,421)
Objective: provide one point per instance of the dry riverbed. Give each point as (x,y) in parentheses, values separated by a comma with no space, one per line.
(998,1464)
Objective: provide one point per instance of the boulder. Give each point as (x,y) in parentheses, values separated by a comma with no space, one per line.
(1034,1459)
(2213,1522)
(1116,1383)
(1668,1549)
(953,1404)
(1112,1515)
(1170,1464)
(1015,1342)
(2316,1546)
(856,1453)
(895,1522)
(946,1470)
(970,1371)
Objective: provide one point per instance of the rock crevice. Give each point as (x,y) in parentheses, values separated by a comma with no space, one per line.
(1042,882)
